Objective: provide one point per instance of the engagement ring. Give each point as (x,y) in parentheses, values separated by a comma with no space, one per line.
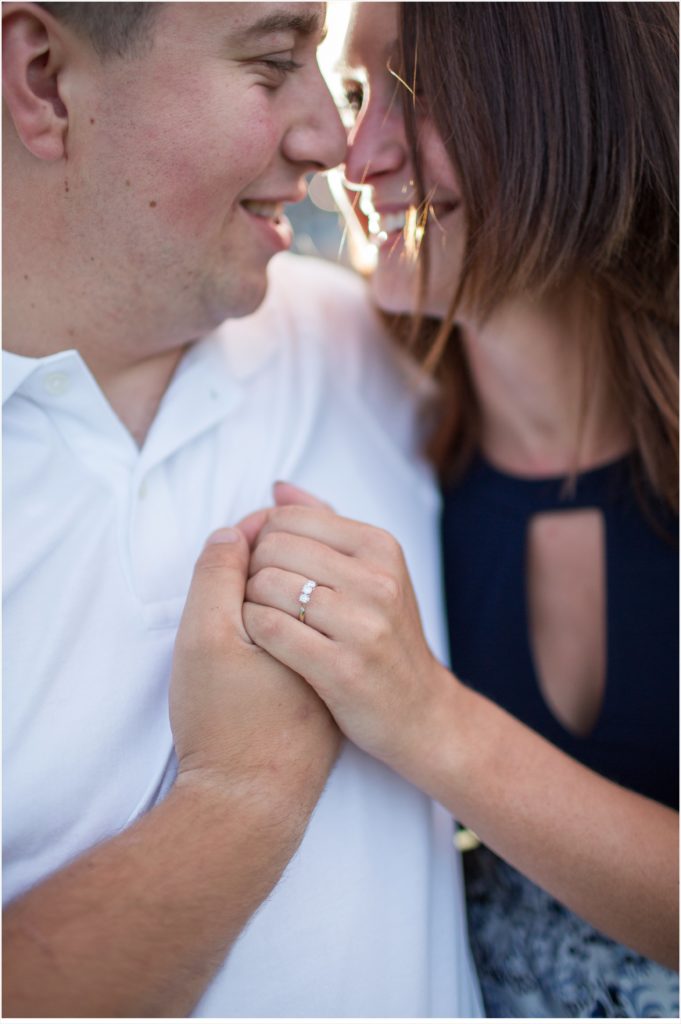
(304,598)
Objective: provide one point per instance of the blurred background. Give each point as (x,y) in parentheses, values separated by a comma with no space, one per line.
(319,228)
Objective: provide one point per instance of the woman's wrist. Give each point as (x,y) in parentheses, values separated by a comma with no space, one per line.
(431,752)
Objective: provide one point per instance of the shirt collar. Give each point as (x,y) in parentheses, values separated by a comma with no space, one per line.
(17,369)
(246,345)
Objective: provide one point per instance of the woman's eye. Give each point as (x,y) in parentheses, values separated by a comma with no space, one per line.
(353,97)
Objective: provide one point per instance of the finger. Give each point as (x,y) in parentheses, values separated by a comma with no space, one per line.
(289,494)
(282,591)
(346,536)
(304,557)
(293,643)
(252,524)
(216,594)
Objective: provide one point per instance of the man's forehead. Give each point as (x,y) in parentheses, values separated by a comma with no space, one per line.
(249,21)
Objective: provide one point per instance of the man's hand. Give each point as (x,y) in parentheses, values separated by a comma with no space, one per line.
(239,717)
(138,925)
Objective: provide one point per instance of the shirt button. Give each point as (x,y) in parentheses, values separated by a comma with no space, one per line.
(56,383)
(142,492)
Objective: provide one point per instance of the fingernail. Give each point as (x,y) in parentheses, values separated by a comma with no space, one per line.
(224,536)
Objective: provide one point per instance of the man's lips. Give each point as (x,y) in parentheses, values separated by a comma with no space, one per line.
(267,216)
(260,208)
(271,207)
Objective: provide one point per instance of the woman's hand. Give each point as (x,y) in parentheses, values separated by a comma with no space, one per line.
(361,645)
(362,649)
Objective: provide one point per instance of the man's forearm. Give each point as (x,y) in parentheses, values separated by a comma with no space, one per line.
(138,925)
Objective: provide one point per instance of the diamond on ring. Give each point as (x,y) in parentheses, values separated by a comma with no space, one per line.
(304,598)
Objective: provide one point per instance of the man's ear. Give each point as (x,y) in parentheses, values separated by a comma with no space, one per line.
(32,59)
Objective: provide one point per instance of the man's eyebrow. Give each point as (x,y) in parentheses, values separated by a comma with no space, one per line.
(279,21)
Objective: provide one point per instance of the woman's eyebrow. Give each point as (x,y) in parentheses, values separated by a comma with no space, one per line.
(349,63)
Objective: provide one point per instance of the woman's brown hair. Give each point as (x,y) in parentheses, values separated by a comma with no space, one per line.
(561,121)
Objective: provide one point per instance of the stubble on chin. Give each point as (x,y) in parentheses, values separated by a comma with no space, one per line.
(231,299)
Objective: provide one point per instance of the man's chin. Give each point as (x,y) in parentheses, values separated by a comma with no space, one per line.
(247,298)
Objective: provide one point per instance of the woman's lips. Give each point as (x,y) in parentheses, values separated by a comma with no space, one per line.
(386,222)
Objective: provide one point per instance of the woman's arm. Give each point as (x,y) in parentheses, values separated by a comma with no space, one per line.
(609,854)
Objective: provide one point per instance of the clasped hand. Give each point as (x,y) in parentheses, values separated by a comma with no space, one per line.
(241,718)
(361,646)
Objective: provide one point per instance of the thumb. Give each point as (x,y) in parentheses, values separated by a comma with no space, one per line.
(289,494)
(216,595)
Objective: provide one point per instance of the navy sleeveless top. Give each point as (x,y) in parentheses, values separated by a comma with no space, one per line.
(485,518)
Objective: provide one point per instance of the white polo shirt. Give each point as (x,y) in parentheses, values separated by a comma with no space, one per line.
(100,540)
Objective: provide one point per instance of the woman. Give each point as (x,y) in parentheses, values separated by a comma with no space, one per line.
(520,162)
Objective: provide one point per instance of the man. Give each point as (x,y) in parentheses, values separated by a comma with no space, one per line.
(148,150)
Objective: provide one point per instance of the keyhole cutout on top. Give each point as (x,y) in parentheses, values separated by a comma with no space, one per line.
(566,605)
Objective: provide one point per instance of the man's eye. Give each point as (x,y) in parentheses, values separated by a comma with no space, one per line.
(280,67)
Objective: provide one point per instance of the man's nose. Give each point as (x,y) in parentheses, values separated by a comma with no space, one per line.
(318,137)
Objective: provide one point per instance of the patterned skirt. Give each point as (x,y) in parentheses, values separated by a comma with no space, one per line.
(535,958)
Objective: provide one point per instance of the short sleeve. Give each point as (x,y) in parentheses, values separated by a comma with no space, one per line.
(328,308)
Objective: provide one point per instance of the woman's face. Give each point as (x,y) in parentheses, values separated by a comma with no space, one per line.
(379,159)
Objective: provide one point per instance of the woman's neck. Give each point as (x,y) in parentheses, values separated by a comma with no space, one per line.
(527,366)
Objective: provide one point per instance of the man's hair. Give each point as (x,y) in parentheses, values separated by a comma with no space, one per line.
(114,30)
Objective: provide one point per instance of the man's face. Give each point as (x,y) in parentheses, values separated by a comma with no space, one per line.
(226,110)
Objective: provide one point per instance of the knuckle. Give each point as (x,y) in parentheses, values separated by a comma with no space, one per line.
(268,527)
(380,543)
(282,516)
(250,614)
(269,625)
(369,537)
(261,582)
(392,548)
(372,630)
(262,548)
(386,588)
(385,540)
(266,550)
(273,542)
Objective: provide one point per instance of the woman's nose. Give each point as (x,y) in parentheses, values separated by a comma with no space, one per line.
(376,144)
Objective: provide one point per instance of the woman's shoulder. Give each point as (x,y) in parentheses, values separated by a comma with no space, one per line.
(330,316)
(316,292)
